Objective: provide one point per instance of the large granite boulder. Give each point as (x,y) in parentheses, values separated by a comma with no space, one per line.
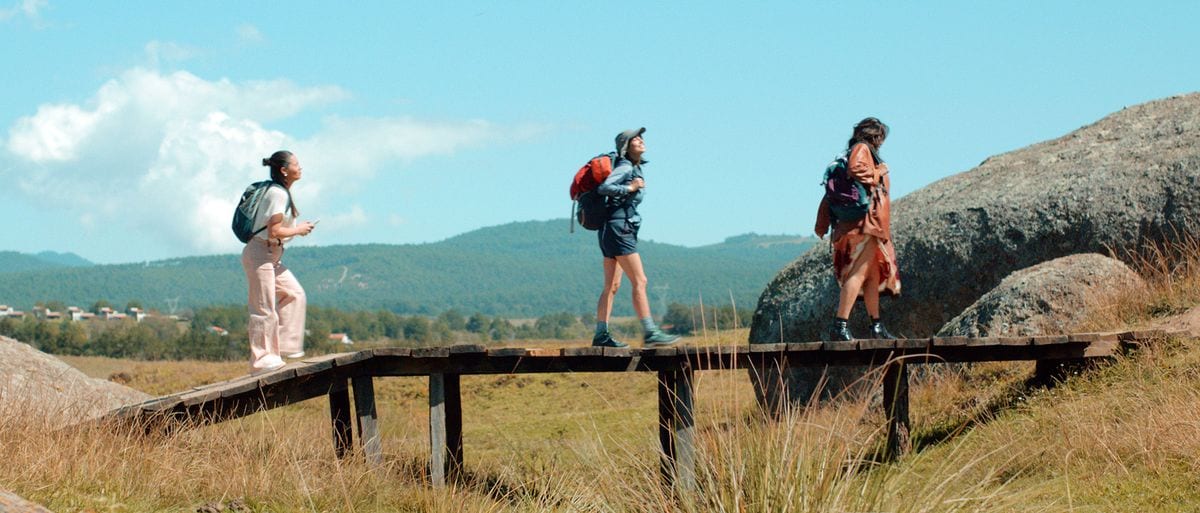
(1049,298)
(1117,184)
(49,393)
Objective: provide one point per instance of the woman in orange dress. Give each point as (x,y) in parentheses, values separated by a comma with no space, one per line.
(864,260)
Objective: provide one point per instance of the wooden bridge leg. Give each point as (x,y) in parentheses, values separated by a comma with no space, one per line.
(339,415)
(676,427)
(895,404)
(445,428)
(368,431)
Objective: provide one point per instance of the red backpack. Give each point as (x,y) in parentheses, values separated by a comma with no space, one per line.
(589,207)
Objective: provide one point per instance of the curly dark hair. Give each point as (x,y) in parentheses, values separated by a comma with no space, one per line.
(870,131)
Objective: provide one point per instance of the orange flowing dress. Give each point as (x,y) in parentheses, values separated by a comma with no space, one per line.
(869,237)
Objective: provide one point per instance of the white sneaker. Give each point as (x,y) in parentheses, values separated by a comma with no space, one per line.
(296,355)
(275,364)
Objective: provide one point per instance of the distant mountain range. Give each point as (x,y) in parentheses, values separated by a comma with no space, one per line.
(521,269)
(11,261)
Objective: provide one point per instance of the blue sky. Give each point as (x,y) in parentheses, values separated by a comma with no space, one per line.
(128,130)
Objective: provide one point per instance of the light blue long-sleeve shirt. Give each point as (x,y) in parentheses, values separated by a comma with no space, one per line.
(623,204)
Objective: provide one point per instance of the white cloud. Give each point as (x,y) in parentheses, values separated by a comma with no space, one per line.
(27,8)
(167,155)
(248,33)
(160,52)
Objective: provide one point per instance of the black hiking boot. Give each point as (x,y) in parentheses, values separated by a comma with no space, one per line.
(839,331)
(604,339)
(878,331)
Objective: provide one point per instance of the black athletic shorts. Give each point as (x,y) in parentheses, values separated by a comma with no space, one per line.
(618,237)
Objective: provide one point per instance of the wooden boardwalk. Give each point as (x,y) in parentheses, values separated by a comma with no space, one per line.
(337,375)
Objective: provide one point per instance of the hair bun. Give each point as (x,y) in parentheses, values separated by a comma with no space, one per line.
(266,162)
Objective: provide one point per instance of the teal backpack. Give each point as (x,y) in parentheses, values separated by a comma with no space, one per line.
(243,215)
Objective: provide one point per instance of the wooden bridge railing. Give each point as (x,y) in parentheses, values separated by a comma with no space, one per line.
(335,375)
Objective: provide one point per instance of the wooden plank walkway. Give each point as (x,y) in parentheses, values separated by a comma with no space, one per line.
(336,374)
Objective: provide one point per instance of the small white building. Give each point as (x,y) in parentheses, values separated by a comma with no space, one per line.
(6,310)
(136,313)
(341,338)
(77,314)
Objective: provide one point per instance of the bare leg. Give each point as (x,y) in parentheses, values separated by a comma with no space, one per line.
(854,282)
(632,265)
(871,288)
(612,282)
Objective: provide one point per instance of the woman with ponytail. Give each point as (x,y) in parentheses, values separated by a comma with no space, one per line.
(277,302)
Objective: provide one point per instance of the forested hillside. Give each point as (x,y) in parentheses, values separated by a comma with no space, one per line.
(515,270)
(11,261)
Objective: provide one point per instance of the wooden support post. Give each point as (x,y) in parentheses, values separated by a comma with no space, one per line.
(768,376)
(895,403)
(676,427)
(666,383)
(339,415)
(368,431)
(445,428)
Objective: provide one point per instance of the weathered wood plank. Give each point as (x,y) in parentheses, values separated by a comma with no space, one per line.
(913,343)
(368,430)
(1045,340)
(310,368)
(804,346)
(1092,337)
(1015,341)
(768,348)
(393,351)
(545,352)
(278,376)
(659,352)
(618,352)
(468,349)
(949,341)
(851,345)
(872,344)
(354,357)
(239,387)
(322,358)
(583,351)
(431,352)
(509,352)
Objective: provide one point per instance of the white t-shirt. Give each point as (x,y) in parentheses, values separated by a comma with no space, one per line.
(275,201)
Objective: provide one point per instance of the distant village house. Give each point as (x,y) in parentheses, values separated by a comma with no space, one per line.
(342,338)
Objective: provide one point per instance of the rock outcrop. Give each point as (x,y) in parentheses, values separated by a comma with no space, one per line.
(11,503)
(1125,180)
(1113,186)
(40,386)
(1051,297)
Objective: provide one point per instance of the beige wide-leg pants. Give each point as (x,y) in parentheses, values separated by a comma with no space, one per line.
(277,305)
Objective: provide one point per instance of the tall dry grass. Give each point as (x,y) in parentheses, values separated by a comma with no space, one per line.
(1124,438)
(1171,271)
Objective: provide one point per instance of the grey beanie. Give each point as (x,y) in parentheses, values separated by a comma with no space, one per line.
(624,137)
